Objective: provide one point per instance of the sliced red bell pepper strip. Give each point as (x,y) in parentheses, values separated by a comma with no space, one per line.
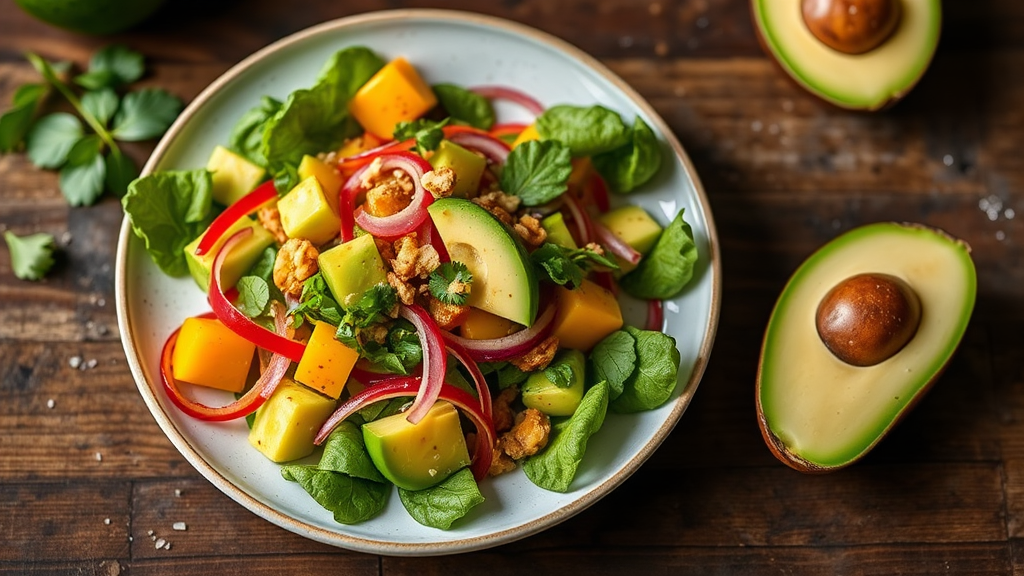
(243,207)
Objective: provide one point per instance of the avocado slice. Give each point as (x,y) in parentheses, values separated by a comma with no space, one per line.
(504,282)
(818,413)
(417,456)
(870,80)
(541,393)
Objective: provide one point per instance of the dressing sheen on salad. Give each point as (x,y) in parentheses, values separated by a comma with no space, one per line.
(406,292)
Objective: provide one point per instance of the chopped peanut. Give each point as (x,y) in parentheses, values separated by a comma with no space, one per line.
(406,292)
(440,182)
(501,409)
(539,357)
(270,218)
(499,204)
(500,462)
(528,436)
(296,261)
(412,260)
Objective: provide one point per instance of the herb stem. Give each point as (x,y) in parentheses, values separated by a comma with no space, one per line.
(46,70)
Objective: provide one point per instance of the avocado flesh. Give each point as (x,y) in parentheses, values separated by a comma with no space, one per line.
(504,282)
(868,81)
(818,413)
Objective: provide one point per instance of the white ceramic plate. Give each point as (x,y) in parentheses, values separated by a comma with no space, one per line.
(467,50)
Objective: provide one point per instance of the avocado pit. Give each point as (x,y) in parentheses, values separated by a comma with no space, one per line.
(851,26)
(867,318)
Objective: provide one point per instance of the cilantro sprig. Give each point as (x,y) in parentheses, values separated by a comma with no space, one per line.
(87,155)
(567,267)
(428,134)
(450,283)
(31,256)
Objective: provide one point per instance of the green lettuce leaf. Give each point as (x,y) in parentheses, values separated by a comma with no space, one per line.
(555,467)
(627,167)
(465,106)
(613,360)
(351,500)
(668,268)
(587,131)
(31,255)
(537,171)
(247,135)
(441,505)
(654,378)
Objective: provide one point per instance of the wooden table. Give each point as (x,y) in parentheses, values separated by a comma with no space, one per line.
(87,482)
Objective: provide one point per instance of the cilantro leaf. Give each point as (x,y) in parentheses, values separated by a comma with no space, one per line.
(316,302)
(168,210)
(465,105)
(450,283)
(111,67)
(145,114)
(565,266)
(51,138)
(668,267)
(82,177)
(102,104)
(247,136)
(121,170)
(14,123)
(537,171)
(31,256)
(428,134)
(585,130)
(253,296)
(631,165)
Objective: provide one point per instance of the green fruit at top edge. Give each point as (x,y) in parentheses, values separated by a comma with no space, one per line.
(818,412)
(91,16)
(871,80)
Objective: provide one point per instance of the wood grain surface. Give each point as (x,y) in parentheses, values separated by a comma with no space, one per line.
(87,485)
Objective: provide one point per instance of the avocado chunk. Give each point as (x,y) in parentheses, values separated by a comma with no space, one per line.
(634,226)
(352,268)
(242,257)
(504,282)
(417,456)
(859,60)
(558,232)
(288,421)
(233,176)
(306,213)
(556,398)
(820,409)
(468,167)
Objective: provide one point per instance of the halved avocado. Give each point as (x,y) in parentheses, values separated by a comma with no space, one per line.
(818,413)
(876,77)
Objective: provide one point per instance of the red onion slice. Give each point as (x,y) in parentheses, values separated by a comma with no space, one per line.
(509,346)
(435,360)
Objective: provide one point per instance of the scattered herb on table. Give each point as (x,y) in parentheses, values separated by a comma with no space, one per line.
(31,256)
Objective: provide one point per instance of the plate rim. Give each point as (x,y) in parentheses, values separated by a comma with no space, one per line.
(356,543)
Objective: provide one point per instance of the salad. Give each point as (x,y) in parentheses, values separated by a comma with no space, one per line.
(405,291)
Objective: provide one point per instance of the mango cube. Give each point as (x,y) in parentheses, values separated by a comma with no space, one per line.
(396,93)
(288,421)
(482,325)
(585,315)
(306,213)
(233,175)
(328,177)
(209,354)
(528,133)
(326,363)
(241,259)
(352,268)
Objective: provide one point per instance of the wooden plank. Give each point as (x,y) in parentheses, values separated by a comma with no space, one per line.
(81,568)
(292,564)
(80,520)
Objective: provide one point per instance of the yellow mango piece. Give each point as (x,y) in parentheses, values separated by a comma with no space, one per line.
(482,325)
(238,262)
(306,213)
(288,421)
(585,315)
(209,354)
(396,93)
(528,133)
(328,177)
(233,175)
(326,363)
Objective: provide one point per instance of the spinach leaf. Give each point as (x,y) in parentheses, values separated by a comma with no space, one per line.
(537,171)
(345,452)
(668,267)
(264,268)
(510,375)
(253,295)
(400,352)
(383,408)
(352,500)
(247,136)
(15,122)
(613,360)
(654,378)
(465,105)
(555,467)
(441,505)
(587,131)
(427,133)
(167,211)
(317,119)
(560,374)
(31,255)
(629,166)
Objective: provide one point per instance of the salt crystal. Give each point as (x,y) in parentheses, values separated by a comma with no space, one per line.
(106,521)
(101,302)
(149,533)
(167,546)
(50,403)
(1000,235)
(75,361)
(1009,213)
(177,492)
(160,543)
(99,457)
(626,41)
(65,238)
(91,364)
(947,159)
(180,526)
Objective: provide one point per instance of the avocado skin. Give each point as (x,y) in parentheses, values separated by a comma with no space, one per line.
(97,17)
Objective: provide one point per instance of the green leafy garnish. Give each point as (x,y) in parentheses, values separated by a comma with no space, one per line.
(253,296)
(587,131)
(345,452)
(668,267)
(111,67)
(145,114)
(399,353)
(84,173)
(441,505)
(654,378)
(51,138)
(316,302)
(537,171)
(14,123)
(450,283)
(566,266)
(31,255)
(168,210)
(247,136)
(427,133)
(102,104)
(629,166)
(560,374)
(395,351)
(465,106)
(555,467)
(613,360)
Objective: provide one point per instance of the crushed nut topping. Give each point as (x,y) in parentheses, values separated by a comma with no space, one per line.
(500,462)
(501,409)
(406,292)
(539,357)
(530,230)
(270,218)
(440,182)
(296,261)
(500,204)
(413,260)
(528,436)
